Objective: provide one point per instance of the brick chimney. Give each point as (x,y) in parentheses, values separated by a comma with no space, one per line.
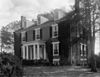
(23,22)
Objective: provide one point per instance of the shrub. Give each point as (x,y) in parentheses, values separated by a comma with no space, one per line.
(10,65)
(98,61)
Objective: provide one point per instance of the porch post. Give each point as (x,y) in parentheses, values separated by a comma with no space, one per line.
(34,51)
(27,52)
(38,51)
(44,52)
(23,52)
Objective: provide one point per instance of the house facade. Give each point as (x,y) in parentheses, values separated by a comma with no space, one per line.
(53,41)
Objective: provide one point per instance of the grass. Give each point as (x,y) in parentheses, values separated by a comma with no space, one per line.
(53,71)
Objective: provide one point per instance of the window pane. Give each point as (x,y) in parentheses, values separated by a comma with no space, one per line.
(37,34)
(23,36)
(55,30)
(56,49)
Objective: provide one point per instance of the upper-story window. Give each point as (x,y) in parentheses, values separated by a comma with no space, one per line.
(55,48)
(23,36)
(54,30)
(37,34)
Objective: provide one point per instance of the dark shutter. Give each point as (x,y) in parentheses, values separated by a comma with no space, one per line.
(25,36)
(50,31)
(33,34)
(40,33)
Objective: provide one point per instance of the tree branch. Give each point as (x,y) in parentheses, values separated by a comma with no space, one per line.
(97,30)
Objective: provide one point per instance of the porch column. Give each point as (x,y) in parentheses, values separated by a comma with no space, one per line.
(23,52)
(38,51)
(31,53)
(34,51)
(27,52)
(45,52)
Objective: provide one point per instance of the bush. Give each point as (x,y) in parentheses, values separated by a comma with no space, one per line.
(98,61)
(10,65)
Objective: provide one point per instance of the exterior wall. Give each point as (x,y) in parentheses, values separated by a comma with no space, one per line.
(69,48)
(49,51)
(17,44)
(64,38)
(30,36)
(46,33)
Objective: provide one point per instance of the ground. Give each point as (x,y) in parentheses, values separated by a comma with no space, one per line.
(58,71)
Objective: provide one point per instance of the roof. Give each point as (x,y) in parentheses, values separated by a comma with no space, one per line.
(48,23)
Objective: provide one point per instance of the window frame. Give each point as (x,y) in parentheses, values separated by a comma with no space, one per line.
(55,43)
(36,34)
(83,51)
(53,30)
(23,36)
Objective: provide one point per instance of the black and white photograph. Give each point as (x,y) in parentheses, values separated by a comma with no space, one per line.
(49,38)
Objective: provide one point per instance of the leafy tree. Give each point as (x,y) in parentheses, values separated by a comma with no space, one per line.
(6,36)
(10,65)
(90,11)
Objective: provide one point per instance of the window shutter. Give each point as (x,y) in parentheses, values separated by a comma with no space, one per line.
(50,31)
(40,33)
(33,34)
(25,36)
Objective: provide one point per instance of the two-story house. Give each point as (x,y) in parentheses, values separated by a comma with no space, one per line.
(52,41)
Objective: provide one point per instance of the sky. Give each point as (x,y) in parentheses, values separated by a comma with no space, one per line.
(11,10)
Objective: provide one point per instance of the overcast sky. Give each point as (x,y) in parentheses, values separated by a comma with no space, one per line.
(11,10)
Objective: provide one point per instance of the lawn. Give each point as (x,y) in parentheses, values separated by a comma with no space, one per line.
(58,71)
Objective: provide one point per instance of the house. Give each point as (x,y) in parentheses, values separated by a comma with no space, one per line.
(54,41)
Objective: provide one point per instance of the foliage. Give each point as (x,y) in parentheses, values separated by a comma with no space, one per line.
(6,36)
(97,61)
(10,65)
(94,61)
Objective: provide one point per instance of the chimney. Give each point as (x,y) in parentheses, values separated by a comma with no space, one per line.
(23,22)
(38,19)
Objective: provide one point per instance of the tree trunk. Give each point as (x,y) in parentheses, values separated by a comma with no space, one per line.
(93,63)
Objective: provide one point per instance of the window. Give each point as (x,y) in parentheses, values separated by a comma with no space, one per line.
(54,31)
(85,53)
(55,48)
(37,34)
(83,50)
(23,36)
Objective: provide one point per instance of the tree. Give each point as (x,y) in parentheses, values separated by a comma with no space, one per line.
(6,38)
(10,65)
(89,9)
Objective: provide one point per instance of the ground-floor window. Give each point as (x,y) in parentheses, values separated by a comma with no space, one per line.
(83,51)
(83,54)
(55,48)
(56,58)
